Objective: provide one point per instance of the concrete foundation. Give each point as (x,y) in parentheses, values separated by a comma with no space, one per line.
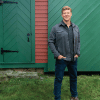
(6,74)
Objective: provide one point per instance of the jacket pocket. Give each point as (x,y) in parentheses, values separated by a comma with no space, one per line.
(59,31)
(61,35)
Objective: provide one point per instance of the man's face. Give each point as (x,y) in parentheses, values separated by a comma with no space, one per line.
(66,15)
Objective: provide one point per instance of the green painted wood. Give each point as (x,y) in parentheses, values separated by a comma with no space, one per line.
(28,65)
(86,16)
(18,21)
(33,29)
(1,33)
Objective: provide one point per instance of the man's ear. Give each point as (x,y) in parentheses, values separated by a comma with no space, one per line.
(61,14)
(71,14)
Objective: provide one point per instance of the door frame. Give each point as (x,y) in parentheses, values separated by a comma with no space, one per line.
(33,29)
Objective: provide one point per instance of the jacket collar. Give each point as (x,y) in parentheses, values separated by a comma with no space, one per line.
(62,23)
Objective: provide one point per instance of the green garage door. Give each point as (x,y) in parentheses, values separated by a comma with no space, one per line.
(86,15)
(16,32)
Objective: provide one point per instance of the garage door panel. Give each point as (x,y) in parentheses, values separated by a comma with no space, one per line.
(86,16)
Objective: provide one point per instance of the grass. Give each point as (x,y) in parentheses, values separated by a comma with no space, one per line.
(88,88)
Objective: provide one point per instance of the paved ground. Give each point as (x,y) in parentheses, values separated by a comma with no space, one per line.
(6,75)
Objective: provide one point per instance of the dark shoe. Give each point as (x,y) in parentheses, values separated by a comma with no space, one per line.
(74,98)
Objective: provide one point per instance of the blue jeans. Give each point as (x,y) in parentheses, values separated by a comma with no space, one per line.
(60,66)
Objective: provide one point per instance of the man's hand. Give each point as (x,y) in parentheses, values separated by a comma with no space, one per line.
(76,56)
(60,57)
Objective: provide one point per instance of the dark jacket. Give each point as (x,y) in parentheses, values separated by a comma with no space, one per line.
(59,42)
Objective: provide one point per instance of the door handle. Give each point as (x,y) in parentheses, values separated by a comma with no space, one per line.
(28,36)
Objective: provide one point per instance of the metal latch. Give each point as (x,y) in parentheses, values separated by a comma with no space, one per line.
(2,51)
(28,36)
(1,2)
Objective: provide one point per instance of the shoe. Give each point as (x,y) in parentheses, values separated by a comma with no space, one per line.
(74,98)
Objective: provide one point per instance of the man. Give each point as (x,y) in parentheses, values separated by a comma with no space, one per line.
(64,42)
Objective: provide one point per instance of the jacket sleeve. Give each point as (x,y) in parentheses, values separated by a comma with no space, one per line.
(78,49)
(51,42)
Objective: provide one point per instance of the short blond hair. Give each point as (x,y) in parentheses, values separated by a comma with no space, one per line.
(66,8)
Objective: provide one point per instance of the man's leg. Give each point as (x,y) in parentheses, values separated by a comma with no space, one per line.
(59,73)
(72,69)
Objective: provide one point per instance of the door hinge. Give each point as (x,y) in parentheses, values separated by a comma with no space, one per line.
(2,2)
(2,51)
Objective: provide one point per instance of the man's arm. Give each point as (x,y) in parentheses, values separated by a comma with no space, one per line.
(78,49)
(51,42)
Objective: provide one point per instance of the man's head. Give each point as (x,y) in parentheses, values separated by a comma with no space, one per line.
(66,13)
